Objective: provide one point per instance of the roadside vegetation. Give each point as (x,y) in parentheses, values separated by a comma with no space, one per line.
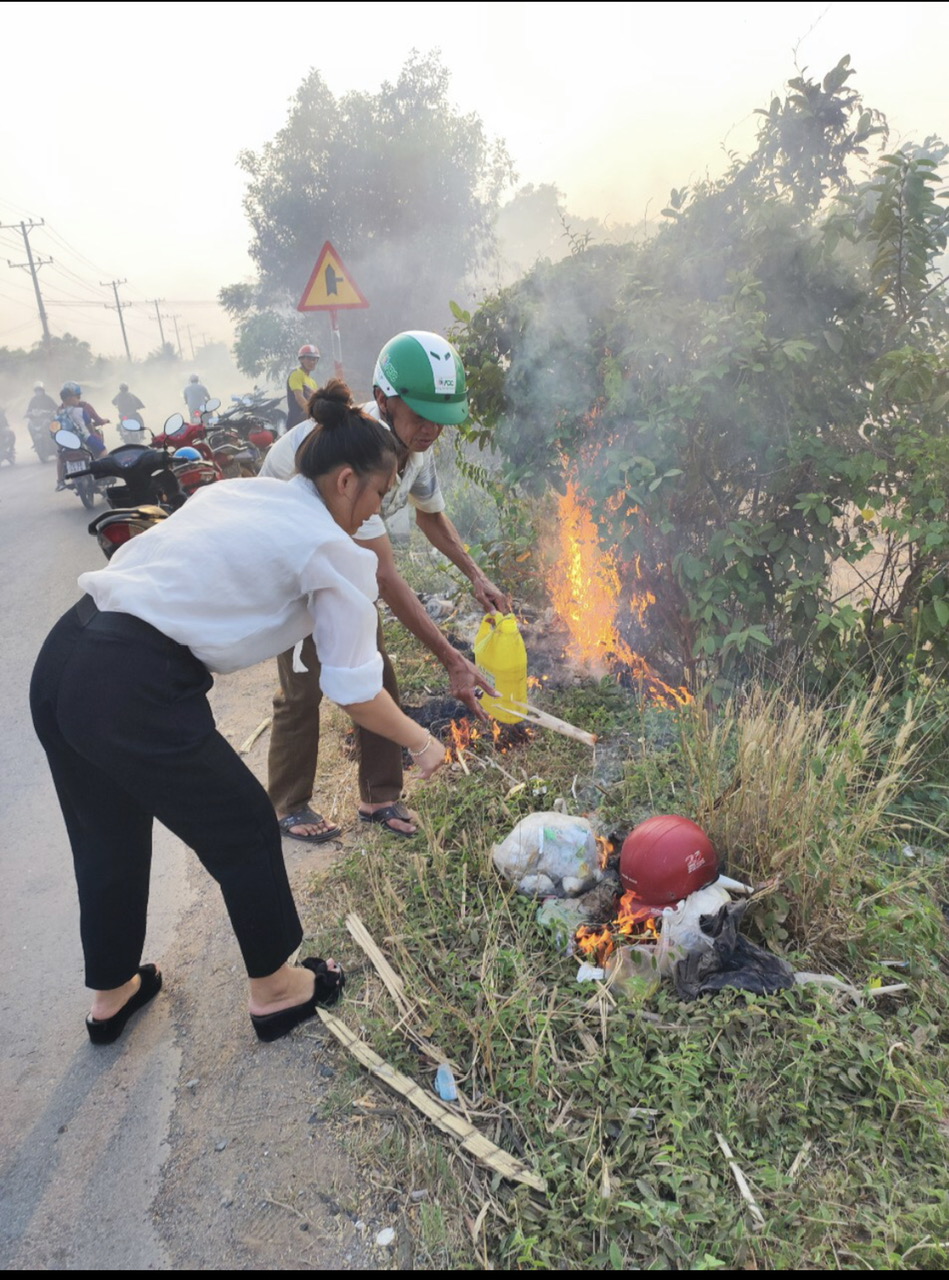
(833,1103)
(751,405)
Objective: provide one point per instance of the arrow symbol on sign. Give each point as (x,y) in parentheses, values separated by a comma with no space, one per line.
(332,280)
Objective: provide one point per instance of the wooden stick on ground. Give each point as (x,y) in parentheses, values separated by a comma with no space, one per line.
(546,721)
(456,1126)
(393,983)
(249,742)
(395,987)
(742,1184)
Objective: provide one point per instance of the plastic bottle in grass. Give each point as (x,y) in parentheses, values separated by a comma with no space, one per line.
(499,651)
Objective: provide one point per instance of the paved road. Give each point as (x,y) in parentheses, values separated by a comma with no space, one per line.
(74,1123)
(186,1145)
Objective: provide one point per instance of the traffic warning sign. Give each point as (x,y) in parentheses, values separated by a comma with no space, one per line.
(330,287)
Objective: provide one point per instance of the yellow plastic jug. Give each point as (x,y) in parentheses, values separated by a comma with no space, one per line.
(499,651)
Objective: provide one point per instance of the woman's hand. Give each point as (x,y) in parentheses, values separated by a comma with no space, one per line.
(431,758)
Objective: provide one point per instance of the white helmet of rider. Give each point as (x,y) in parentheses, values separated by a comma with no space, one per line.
(38,386)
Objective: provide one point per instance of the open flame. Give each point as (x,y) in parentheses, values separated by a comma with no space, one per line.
(464,736)
(586,587)
(633,920)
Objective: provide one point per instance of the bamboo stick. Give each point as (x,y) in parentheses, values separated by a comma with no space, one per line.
(249,741)
(456,1126)
(742,1183)
(546,721)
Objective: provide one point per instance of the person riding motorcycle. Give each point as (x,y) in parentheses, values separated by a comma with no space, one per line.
(39,414)
(7,440)
(76,414)
(195,394)
(128,404)
(41,402)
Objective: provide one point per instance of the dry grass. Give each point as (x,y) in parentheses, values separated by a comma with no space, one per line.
(802,793)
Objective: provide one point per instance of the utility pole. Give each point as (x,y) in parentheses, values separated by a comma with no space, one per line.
(190,339)
(158,318)
(181,354)
(32,265)
(114,285)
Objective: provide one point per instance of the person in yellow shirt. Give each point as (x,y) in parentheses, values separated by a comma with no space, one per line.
(301,385)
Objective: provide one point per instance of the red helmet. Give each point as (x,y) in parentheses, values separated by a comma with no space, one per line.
(308,350)
(665,859)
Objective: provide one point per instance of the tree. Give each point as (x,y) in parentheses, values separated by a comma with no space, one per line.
(403,184)
(752,398)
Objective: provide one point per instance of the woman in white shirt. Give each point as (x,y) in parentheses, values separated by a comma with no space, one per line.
(246,569)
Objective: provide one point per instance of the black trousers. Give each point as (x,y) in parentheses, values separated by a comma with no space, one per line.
(123,715)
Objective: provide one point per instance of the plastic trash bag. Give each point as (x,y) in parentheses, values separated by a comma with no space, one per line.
(549,854)
(731,960)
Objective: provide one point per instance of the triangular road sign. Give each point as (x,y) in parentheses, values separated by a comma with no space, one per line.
(330,287)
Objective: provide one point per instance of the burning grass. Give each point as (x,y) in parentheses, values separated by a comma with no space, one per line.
(834,1111)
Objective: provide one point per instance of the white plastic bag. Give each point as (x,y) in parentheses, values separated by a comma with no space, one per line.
(549,853)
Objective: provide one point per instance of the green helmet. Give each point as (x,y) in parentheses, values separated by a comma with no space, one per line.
(426,372)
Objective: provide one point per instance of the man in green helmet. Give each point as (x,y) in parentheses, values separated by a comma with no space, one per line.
(418,389)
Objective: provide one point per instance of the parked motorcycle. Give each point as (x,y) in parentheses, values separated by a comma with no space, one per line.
(130,428)
(194,435)
(7,440)
(154,481)
(38,425)
(260,405)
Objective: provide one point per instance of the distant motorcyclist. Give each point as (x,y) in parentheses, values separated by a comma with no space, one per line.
(7,440)
(128,404)
(195,394)
(41,402)
(76,414)
(40,412)
(301,385)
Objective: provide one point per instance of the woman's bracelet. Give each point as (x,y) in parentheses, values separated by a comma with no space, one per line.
(422,749)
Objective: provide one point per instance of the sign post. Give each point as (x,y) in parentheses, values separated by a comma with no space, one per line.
(331,288)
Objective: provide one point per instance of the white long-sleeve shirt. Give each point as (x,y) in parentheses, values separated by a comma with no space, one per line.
(417,484)
(245,570)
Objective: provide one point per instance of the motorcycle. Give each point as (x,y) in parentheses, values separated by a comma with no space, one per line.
(258,405)
(153,482)
(38,425)
(130,427)
(7,441)
(205,469)
(77,463)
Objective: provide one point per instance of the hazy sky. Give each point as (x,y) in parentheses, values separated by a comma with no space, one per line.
(121,124)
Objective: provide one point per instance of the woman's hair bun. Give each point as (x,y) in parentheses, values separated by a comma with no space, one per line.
(329,405)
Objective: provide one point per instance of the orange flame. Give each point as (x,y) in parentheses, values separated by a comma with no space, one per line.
(633,920)
(465,735)
(586,589)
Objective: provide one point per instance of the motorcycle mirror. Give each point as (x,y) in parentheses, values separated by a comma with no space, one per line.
(247,400)
(173,424)
(67,440)
(238,399)
(131,424)
(211,405)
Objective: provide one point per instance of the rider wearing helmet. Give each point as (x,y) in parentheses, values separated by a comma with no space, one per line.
(418,388)
(41,402)
(195,394)
(301,385)
(76,414)
(128,404)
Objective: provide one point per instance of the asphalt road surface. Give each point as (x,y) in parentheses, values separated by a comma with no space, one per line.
(187,1144)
